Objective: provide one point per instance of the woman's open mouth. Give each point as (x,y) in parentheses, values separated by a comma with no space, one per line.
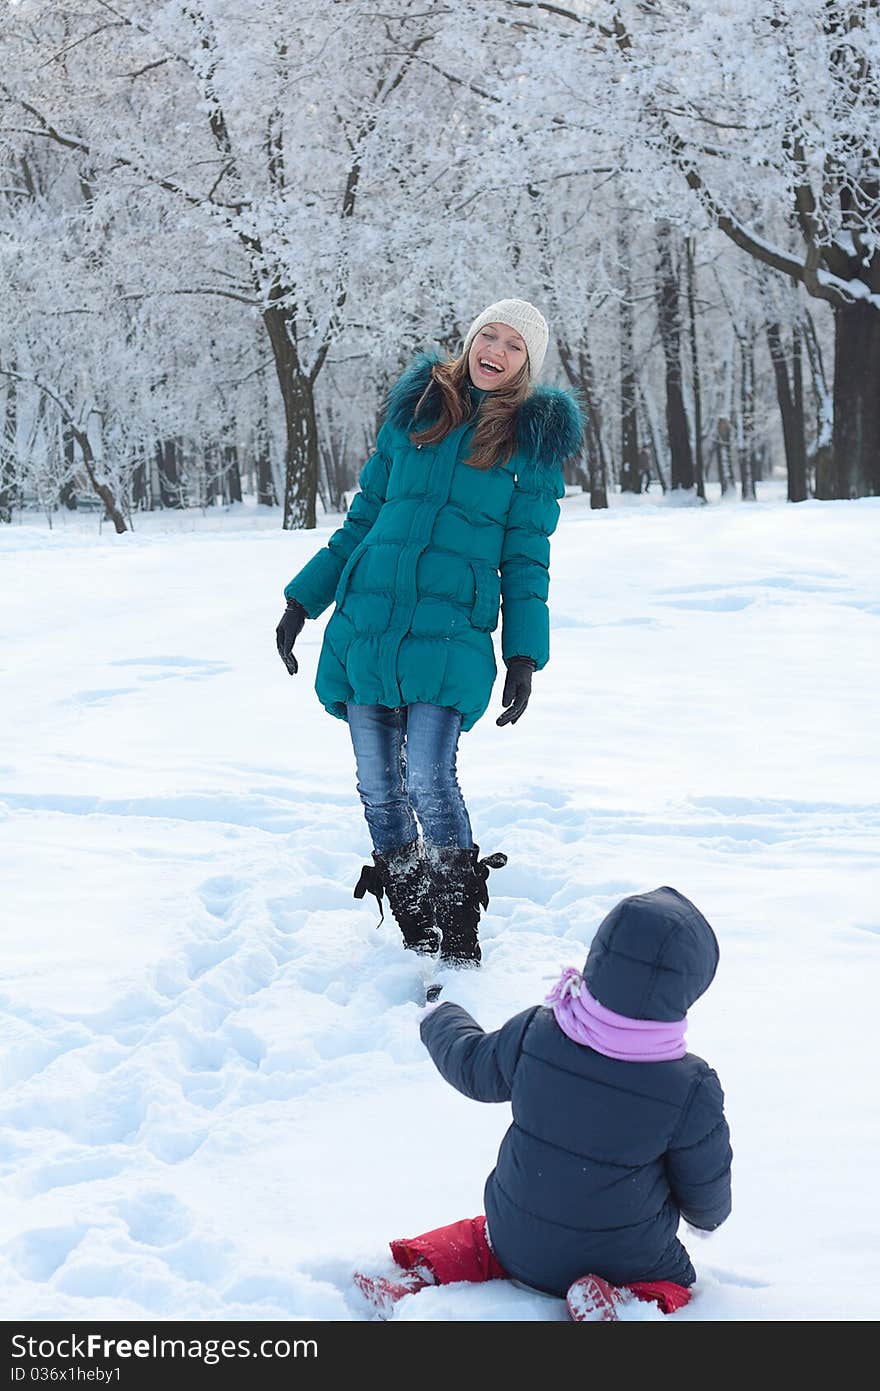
(490,369)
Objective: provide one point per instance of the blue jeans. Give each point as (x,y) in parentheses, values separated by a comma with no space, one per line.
(406,774)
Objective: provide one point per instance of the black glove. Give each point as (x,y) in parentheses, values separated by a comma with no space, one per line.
(517,689)
(287,632)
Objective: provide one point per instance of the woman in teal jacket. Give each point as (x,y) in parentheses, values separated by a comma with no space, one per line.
(452,523)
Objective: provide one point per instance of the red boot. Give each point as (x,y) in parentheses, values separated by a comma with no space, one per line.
(384,1291)
(592,1300)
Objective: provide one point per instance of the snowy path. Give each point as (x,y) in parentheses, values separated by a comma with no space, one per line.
(214,1100)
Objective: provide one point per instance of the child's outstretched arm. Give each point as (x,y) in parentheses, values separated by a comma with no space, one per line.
(699,1157)
(478,1064)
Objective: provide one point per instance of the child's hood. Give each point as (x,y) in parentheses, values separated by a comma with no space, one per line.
(652,956)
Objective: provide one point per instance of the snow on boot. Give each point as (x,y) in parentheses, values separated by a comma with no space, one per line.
(383,1291)
(592,1300)
(460,891)
(403,875)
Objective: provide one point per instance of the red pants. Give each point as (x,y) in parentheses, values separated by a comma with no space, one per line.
(462,1252)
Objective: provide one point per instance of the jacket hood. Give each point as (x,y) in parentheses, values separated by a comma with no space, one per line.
(549,421)
(652,956)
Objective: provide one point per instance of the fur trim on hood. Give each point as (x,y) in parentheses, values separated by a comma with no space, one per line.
(549,422)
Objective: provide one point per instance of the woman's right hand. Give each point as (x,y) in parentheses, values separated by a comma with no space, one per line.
(287,632)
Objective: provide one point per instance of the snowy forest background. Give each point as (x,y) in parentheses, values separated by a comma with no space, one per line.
(224,228)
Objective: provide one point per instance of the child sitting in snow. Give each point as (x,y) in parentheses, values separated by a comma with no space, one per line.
(617,1131)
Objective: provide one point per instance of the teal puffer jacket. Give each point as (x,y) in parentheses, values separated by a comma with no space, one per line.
(430,549)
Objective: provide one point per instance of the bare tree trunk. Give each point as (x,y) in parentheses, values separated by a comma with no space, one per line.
(213,470)
(724,442)
(821,459)
(744,442)
(231,473)
(168,463)
(100,488)
(682,464)
(823,471)
(581,377)
(7,447)
(797,372)
(629,430)
(297,394)
(67,491)
(266,496)
(333,478)
(792,419)
(725,431)
(695,371)
(855,464)
(140,487)
(756,455)
(7,452)
(653,433)
(597,459)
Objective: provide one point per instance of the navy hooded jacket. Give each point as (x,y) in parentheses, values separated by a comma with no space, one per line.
(603,1156)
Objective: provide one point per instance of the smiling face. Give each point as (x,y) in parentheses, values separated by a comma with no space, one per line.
(496,356)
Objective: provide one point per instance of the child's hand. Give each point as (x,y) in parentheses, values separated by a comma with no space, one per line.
(432,1000)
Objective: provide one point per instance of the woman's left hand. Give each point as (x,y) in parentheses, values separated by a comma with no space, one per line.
(517,689)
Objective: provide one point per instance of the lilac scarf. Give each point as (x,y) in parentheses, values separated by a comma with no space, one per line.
(584,1020)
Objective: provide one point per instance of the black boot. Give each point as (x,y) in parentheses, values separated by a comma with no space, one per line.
(403,875)
(460,891)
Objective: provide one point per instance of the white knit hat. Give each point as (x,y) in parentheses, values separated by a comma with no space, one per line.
(528,321)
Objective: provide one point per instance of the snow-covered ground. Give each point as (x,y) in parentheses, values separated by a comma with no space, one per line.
(215,1102)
